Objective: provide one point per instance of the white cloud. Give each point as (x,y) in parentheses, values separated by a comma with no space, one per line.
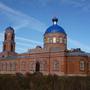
(21,19)
(28,40)
(22,39)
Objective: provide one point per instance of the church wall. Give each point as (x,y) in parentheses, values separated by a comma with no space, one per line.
(46,61)
(8,66)
(73,65)
(88,65)
(64,65)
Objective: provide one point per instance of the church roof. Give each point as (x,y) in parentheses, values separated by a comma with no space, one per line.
(55,28)
(76,54)
(88,54)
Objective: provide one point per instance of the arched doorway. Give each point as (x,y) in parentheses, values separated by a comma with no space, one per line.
(37,69)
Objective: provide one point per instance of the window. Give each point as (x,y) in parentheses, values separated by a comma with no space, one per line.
(82,65)
(65,41)
(61,40)
(58,40)
(37,67)
(11,47)
(89,66)
(56,65)
(9,66)
(23,66)
(50,40)
(43,66)
(12,36)
(3,66)
(4,47)
(32,66)
(0,66)
(54,39)
(45,40)
(14,66)
(5,36)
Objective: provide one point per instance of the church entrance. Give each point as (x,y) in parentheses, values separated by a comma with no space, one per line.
(37,69)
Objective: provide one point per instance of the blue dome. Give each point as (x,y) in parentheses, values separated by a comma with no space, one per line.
(55,29)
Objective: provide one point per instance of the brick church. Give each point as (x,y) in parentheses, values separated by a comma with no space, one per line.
(52,58)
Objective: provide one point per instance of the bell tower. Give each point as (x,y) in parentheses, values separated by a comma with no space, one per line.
(9,41)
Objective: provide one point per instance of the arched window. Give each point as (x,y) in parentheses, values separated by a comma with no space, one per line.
(89,65)
(43,66)
(56,65)
(23,66)
(4,66)
(9,66)
(82,65)
(54,39)
(37,68)
(46,40)
(12,36)
(50,40)
(14,66)
(1,66)
(58,40)
(4,47)
(65,41)
(32,66)
(61,40)
(12,47)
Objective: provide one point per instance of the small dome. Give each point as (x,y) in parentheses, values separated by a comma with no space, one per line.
(38,47)
(9,29)
(55,28)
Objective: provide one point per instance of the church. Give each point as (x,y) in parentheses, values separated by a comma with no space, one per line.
(53,58)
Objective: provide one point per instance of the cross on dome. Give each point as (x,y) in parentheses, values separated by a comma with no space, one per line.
(55,20)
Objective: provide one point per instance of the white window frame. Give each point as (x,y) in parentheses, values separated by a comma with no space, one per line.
(61,40)
(82,65)
(55,65)
(65,41)
(54,40)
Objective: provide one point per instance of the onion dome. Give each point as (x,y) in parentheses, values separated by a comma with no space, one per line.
(9,29)
(55,28)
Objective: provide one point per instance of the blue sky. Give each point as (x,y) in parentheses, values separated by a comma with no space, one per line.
(30,19)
